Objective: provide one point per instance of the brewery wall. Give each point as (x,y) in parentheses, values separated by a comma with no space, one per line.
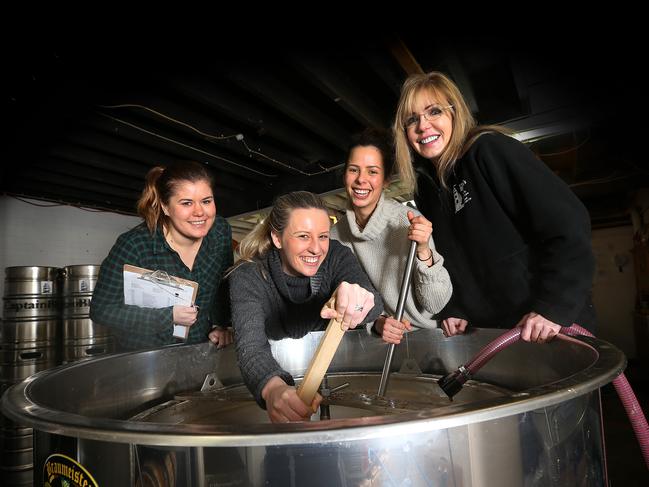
(60,236)
(55,236)
(614,287)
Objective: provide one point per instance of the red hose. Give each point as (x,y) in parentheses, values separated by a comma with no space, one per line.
(452,383)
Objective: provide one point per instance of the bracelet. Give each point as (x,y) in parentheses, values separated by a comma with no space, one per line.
(427,258)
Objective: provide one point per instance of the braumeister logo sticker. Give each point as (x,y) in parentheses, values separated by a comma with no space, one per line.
(62,471)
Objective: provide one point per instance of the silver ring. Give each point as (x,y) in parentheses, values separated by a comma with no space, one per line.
(358,307)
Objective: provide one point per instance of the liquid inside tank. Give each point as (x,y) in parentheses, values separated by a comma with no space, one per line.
(352,396)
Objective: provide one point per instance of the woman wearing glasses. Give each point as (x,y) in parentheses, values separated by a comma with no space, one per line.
(379,231)
(516,239)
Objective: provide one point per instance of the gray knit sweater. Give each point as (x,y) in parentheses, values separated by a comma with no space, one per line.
(382,249)
(269,304)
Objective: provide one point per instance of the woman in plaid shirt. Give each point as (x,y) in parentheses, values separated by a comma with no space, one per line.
(183,236)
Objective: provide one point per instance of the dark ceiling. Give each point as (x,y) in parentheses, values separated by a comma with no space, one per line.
(86,124)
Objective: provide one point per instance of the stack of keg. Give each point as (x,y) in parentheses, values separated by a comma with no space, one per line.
(82,338)
(29,342)
(33,337)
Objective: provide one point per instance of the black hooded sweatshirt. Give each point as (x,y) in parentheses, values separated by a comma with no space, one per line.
(515,237)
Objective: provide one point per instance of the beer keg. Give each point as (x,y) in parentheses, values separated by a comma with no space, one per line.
(82,338)
(17,453)
(29,342)
(31,293)
(30,329)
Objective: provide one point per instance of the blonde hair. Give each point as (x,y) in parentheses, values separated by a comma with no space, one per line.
(464,128)
(160,185)
(256,244)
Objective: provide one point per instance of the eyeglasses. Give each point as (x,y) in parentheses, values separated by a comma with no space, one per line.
(431,114)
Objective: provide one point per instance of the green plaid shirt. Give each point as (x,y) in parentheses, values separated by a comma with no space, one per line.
(138,328)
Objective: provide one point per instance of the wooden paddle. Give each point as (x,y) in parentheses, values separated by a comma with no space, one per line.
(321,359)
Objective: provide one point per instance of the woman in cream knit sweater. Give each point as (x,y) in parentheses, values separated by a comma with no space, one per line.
(379,232)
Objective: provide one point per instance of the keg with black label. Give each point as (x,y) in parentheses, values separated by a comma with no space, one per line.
(82,338)
(30,331)
(30,341)
(31,293)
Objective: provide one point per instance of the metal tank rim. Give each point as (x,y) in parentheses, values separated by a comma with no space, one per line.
(17,405)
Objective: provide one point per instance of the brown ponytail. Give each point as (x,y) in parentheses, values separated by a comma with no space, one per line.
(149,205)
(160,185)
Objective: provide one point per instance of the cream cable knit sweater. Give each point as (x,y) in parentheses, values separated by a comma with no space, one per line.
(382,250)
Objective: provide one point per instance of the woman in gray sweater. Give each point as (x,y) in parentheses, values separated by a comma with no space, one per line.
(282,287)
(379,231)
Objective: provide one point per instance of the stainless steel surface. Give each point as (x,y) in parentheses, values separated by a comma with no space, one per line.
(338,388)
(17,364)
(29,343)
(403,294)
(83,327)
(211,382)
(25,279)
(544,430)
(16,452)
(76,305)
(87,348)
(78,283)
(31,328)
(80,279)
(30,333)
(85,339)
(13,437)
(82,338)
(31,292)
(27,347)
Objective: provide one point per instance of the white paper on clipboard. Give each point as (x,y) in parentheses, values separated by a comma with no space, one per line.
(157,289)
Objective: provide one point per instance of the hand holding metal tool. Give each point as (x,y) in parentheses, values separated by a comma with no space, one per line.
(403,294)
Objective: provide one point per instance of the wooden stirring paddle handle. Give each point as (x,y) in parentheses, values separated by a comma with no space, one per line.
(321,359)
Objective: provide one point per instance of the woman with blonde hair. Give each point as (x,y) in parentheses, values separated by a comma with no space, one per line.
(183,236)
(515,238)
(283,287)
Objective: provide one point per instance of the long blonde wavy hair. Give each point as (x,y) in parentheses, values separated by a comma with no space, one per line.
(465,129)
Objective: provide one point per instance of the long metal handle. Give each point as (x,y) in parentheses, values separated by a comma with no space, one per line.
(405,285)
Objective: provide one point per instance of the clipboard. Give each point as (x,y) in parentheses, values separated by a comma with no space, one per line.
(157,289)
